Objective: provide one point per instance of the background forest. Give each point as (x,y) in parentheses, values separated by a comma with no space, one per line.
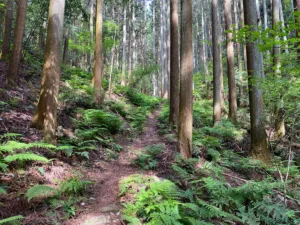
(150,112)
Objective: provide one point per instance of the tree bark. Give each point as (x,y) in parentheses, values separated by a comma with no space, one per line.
(66,45)
(297,22)
(217,80)
(259,147)
(15,61)
(174,65)
(205,50)
(123,77)
(45,116)
(7,29)
(154,75)
(230,63)
(185,125)
(98,65)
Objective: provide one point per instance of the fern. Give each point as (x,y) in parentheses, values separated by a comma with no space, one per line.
(3,166)
(74,186)
(2,191)
(25,157)
(40,191)
(14,220)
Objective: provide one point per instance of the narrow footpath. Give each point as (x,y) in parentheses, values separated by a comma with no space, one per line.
(104,206)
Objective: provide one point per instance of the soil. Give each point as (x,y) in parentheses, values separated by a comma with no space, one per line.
(108,175)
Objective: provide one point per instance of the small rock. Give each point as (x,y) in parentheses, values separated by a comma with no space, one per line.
(97,220)
(82,204)
(111,208)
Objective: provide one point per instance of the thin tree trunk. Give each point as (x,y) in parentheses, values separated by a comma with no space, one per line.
(162,37)
(46,113)
(174,79)
(123,77)
(91,26)
(230,63)
(66,45)
(244,46)
(98,65)
(134,55)
(217,96)
(185,124)
(7,29)
(297,22)
(205,52)
(259,147)
(154,75)
(15,61)
(112,59)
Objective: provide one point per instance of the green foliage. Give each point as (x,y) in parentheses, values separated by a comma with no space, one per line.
(25,157)
(40,191)
(15,220)
(102,119)
(148,158)
(74,186)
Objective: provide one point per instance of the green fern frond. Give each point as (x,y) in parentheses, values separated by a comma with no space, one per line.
(10,135)
(40,191)
(14,219)
(3,166)
(41,145)
(2,191)
(25,157)
(10,146)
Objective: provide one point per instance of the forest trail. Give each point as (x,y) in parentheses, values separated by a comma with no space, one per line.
(104,206)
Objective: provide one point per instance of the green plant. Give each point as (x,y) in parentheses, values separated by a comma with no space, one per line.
(147,159)
(74,186)
(15,220)
(40,191)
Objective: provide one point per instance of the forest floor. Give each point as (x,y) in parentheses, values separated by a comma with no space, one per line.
(106,206)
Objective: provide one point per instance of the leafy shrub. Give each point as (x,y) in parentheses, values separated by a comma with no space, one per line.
(147,159)
(40,191)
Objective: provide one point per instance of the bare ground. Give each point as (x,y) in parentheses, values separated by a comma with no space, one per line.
(105,201)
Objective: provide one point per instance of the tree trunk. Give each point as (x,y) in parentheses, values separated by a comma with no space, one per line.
(217,95)
(230,63)
(174,79)
(7,29)
(134,55)
(259,147)
(154,75)
(91,24)
(98,65)
(244,46)
(123,77)
(66,45)
(185,125)
(45,116)
(15,61)
(297,22)
(205,51)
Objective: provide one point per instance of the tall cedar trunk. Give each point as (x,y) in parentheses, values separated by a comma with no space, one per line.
(244,46)
(239,58)
(90,59)
(162,37)
(279,111)
(230,63)
(113,52)
(168,44)
(14,63)
(145,35)
(2,12)
(123,77)
(129,48)
(297,21)
(45,116)
(205,51)
(259,147)
(134,55)
(98,65)
(7,29)
(174,79)
(66,45)
(217,80)
(265,14)
(154,75)
(185,124)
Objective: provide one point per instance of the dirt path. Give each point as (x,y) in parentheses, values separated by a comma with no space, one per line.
(103,206)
